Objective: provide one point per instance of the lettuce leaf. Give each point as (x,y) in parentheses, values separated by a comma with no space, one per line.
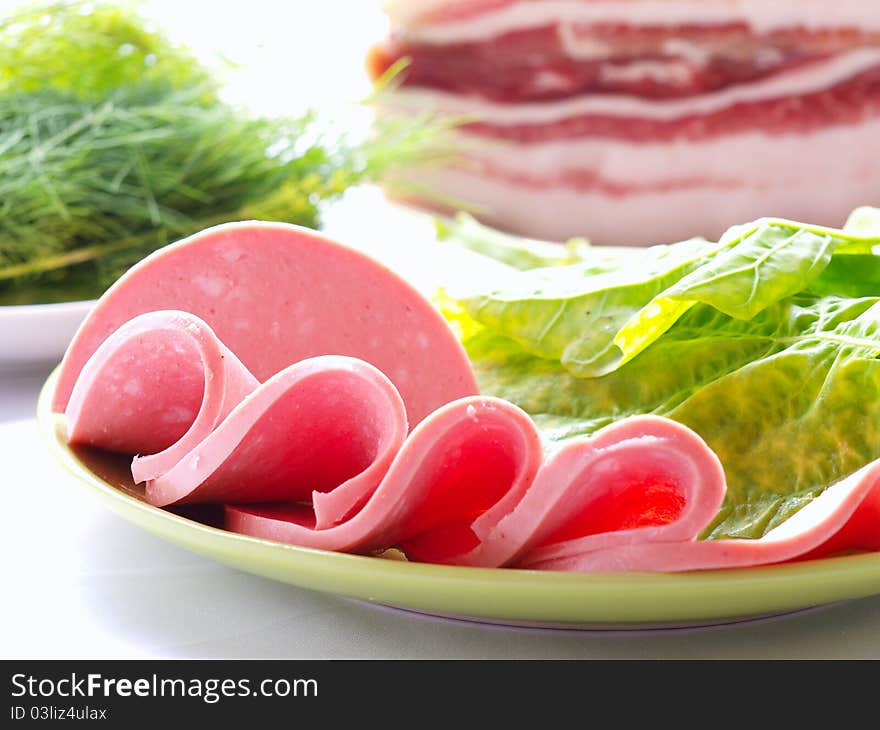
(864,221)
(521,253)
(760,264)
(789,400)
(573,313)
(857,275)
(766,343)
(596,319)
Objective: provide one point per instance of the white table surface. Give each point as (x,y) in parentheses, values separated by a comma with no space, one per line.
(78,581)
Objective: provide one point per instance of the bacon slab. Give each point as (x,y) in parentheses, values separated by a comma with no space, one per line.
(322,451)
(637,121)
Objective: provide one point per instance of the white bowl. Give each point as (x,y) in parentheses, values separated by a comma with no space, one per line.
(33,334)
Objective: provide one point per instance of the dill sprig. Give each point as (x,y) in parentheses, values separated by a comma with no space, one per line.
(101,167)
(90,49)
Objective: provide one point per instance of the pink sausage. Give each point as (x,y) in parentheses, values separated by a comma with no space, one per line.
(276,294)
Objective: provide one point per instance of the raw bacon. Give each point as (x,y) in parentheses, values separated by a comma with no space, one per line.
(321,452)
(777,104)
(658,62)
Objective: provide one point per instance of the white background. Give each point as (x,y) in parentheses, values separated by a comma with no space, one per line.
(77,581)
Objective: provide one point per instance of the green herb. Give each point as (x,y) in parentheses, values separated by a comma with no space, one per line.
(90,50)
(787,394)
(113,143)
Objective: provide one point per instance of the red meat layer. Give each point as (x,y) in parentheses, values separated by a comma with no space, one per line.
(534,65)
(851,102)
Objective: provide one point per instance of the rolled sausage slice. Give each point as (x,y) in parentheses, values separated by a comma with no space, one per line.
(156,387)
(320,455)
(844,518)
(472,457)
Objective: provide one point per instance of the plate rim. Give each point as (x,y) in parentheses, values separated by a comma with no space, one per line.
(38,334)
(495,595)
(9,310)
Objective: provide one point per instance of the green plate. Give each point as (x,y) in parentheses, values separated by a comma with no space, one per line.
(502,595)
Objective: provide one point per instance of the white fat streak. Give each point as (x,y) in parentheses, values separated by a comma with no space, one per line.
(724,158)
(212,286)
(762,16)
(177,414)
(132,387)
(667,72)
(641,218)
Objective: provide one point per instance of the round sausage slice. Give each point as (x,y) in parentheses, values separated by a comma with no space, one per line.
(277,293)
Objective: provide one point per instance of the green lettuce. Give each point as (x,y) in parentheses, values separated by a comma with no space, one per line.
(775,364)
(573,313)
(596,319)
(863,221)
(466,231)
